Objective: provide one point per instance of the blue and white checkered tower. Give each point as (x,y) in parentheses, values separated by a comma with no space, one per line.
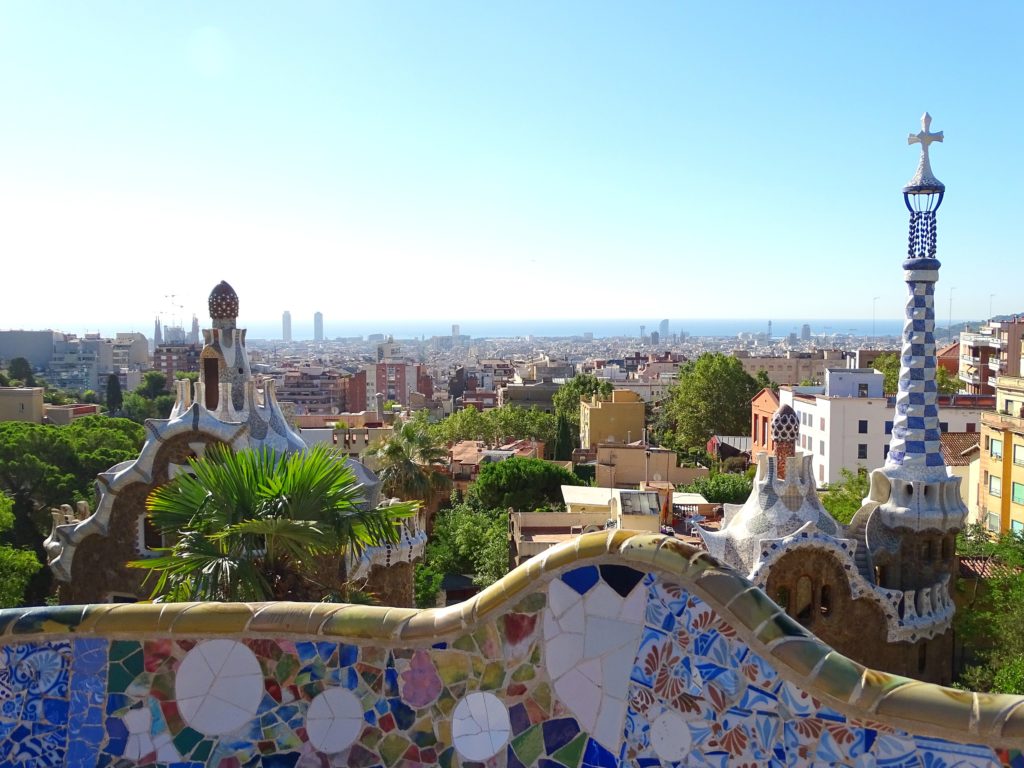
(914,451)
(913,489)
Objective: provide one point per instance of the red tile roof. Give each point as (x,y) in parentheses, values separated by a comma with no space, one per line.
(958,447)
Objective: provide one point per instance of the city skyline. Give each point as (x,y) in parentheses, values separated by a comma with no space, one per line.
(730,161)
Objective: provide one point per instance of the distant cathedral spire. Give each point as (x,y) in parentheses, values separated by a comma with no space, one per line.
(158,334)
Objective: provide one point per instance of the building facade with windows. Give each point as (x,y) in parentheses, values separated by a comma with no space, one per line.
(993,351)
(1001,486)
(847,423)
(615,419)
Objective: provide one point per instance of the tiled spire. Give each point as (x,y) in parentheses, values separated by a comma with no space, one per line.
(914,450)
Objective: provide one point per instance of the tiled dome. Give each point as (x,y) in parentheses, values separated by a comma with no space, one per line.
(785,425)
(223,301)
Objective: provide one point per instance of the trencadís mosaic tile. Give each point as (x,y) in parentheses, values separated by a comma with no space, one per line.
(595,661)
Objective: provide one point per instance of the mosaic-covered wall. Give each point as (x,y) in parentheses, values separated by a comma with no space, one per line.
(616,649)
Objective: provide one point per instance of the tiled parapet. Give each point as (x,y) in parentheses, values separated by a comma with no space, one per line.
(615,649)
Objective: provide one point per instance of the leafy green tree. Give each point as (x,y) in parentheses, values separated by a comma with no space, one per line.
(154,383)
(99,443)
(514,423)
(410,461)
(764,381)
(90,396)
(467,424)
(18,566)
(114,396)
(567,399)
(989,620)
(843,499)
(259,526)
(721,488)
(520,484)
(162,405)
(712,396)
(192,376)
(21,369)
(37,470)
(889,364)
(467,541)
(137,408)
(55,396)
(4,381)
(43,466)
(496,426)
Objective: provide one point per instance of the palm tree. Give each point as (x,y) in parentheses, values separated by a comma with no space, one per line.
(254,525)
(410,461)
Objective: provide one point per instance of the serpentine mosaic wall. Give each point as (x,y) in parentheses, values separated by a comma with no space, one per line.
(615,649)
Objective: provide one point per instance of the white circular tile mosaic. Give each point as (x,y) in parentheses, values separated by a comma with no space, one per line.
(670,737)
(334,720)
(219,686)
(480,726)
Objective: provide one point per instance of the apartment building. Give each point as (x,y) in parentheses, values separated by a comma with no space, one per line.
(793,367)
(176,356)
(397,380)
(312,389)
(21,404)
(1001,486)
(616,419)
(847,423)
(995,350)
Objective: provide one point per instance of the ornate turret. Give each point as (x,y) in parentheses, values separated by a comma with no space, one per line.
(784,501)
(223,304)
(227,406)
(878,588)
(224,360)
(785,433)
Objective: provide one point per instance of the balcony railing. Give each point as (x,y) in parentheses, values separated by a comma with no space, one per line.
(1007,421)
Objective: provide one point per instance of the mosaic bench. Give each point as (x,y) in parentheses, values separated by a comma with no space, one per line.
(614,649)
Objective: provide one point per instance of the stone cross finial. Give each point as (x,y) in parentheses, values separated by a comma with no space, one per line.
(924,180)
(925,136)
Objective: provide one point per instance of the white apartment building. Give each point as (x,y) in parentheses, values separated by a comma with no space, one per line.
(847,423)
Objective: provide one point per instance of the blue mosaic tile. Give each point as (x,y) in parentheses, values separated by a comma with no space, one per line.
(582,579)
(558,733)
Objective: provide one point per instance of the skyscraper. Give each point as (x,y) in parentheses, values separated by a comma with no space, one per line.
(286,326)
(663,330)
(318,326)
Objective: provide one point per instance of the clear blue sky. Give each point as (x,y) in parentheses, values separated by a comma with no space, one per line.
(475,160)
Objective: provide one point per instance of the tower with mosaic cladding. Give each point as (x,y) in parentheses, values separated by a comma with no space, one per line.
(914,510)
(914,449)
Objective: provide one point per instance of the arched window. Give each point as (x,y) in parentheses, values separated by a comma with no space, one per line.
(804,599)
(825,603)
(947,548)
(782,598)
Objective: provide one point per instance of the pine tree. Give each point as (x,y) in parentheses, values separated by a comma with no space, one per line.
(114,397)
(563,440)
